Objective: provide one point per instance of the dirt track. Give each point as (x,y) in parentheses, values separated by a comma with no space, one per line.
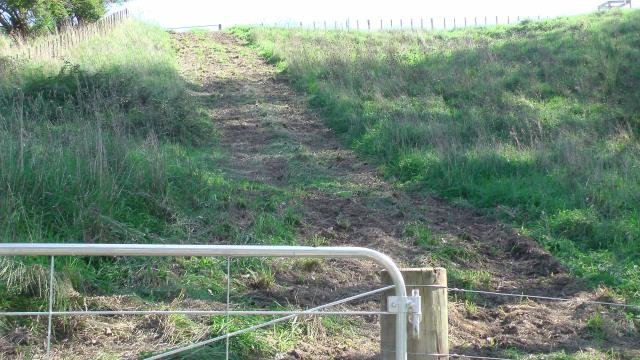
(273,137)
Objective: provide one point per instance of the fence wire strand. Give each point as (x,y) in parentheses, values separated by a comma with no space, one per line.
(527,296)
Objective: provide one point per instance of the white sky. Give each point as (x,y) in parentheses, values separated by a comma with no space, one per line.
(202,12)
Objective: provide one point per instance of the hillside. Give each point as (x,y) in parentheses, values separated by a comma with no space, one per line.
(535,123)
(136,135)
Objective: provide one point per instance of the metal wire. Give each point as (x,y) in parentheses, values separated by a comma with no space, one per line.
(264,324)
(538,297)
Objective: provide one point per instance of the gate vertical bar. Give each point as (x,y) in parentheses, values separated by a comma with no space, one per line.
(50,319)
(226,352)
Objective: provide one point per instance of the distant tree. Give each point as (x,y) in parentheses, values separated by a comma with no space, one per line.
(26,17)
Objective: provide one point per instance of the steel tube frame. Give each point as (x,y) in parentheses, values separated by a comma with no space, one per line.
(33,249)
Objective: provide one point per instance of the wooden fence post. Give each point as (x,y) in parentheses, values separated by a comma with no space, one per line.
(434,327)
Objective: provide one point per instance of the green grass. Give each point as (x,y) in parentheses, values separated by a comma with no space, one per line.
(107,146)
(540,118)
(422,235)
(90,149)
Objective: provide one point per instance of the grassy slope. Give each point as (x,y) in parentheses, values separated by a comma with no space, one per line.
(537,123)
(107,146)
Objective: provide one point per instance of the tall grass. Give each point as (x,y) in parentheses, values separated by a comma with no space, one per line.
(88,143)
(104,144)
(536,122)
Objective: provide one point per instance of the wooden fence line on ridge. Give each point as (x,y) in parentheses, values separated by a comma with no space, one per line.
(52,46)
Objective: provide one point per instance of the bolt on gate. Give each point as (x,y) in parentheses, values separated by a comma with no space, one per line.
(406,308)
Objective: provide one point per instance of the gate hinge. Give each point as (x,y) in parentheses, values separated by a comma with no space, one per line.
(412,308)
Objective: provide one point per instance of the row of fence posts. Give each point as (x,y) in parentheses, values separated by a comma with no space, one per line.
(413,24)
(67,37)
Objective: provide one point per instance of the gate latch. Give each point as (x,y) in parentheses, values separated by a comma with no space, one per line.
(412,307)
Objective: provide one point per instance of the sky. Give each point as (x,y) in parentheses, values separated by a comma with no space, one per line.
(228,13)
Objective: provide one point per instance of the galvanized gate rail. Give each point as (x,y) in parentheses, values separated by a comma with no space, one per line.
(403,304)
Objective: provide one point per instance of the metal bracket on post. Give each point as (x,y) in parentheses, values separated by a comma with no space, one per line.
(412,306)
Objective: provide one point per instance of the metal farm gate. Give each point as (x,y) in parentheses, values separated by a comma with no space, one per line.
(406,308)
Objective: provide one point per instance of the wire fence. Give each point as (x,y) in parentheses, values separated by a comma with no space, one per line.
(403,24)
(532,297)
(282,315)
(56,44)
(523,296)
(414,23)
